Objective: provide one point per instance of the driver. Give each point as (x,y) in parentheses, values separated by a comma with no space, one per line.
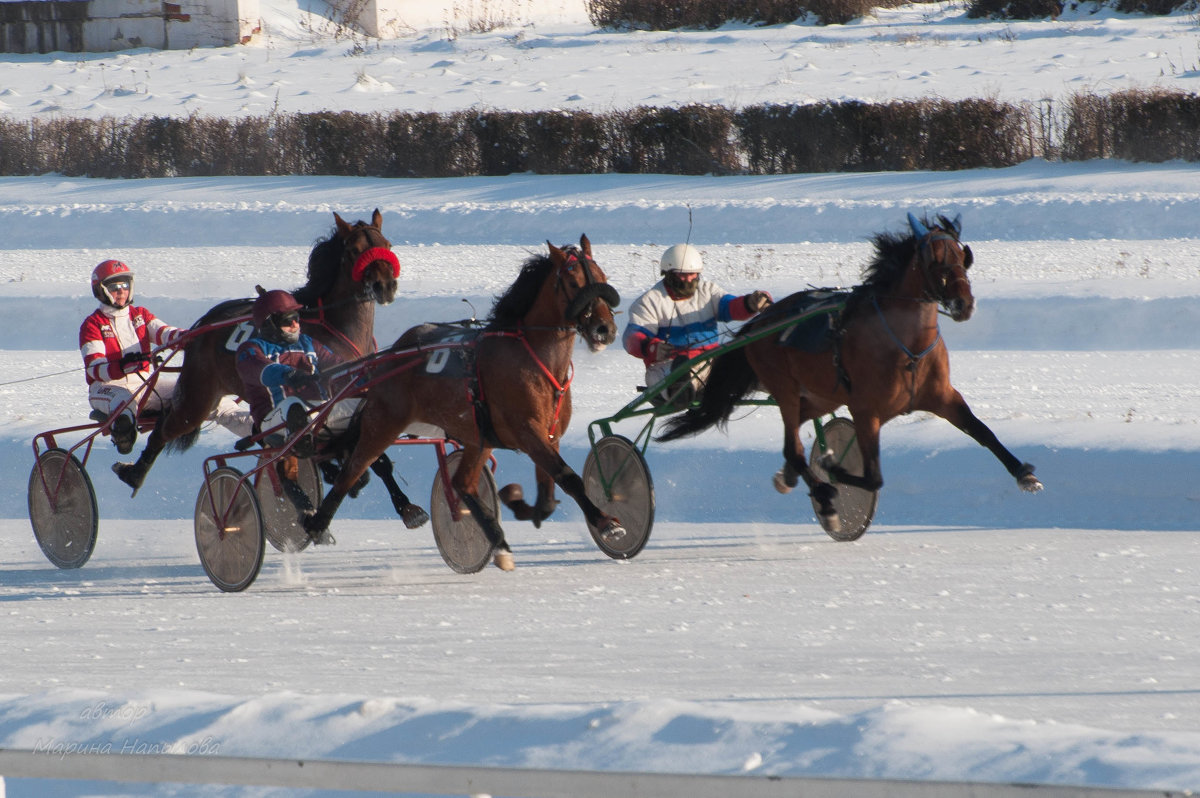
(116,341)
(676,320)
(280,370)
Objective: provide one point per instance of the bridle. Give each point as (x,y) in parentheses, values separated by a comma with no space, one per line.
(926,261)
(579,308)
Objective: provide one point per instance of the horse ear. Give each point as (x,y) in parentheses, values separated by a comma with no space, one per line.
(342,228)
(585,245)
(377,220)
(919,230)
(956,223)
(261,291)
(555,252)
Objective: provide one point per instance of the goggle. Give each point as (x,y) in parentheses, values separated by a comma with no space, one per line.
(286,319)
(118,285)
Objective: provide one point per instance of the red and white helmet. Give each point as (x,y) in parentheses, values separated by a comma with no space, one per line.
(111,270)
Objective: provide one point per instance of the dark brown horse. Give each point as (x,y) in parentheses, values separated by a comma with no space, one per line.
(886,358)
(349,272)
(509,388)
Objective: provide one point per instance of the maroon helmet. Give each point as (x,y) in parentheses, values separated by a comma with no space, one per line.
(269,309)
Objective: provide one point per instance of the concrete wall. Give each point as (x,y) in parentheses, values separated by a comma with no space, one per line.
(92,26)
(389,19)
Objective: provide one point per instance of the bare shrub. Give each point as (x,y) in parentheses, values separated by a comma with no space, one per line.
(338,143)
(657,15)
(691,140)
(1014,9)
(974,133)
(1154,125)
(431,145)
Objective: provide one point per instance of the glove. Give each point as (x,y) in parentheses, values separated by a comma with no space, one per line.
(299,380)
(133,361)
(658,350)
(758,301)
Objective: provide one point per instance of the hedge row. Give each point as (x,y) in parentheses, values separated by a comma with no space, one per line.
(659,15)
(935,135)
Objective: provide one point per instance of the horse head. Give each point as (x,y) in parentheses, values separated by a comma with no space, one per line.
(587,298)
(944,262)
(368,258)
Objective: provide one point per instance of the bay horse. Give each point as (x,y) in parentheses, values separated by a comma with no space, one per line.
(886,357)
(349,272)
(508,387)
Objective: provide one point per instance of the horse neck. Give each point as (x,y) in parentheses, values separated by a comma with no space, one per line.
(550,336)
(349,324)
(911,317)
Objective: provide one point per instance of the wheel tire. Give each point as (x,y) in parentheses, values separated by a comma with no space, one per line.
(461,540)
(65,526)
(232,559)
(629,496)
(281,519)
(855,506)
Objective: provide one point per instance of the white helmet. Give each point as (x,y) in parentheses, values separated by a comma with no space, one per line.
(681,258)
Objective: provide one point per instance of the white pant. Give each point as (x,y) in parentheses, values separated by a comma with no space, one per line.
(335,423)
(108,396)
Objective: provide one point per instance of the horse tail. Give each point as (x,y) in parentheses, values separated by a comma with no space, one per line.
(730,379)
(183,442)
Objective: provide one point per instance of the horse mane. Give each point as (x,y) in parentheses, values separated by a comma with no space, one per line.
(514,303)
(324,263)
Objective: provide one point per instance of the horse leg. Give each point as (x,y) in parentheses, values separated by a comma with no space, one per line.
(866,433)
(365,453)
(465,482)
(958,413)
(551,465)
(795,467)
(412,514)
(134,474)
(514,498)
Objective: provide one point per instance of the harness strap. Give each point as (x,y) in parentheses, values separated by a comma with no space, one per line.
(324,324)
(560,389)
(913,358)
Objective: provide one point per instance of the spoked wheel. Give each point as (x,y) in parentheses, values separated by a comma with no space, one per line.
(229,530)
(617,481)
(460,539)
(855,506)
(281,517)
(62,508)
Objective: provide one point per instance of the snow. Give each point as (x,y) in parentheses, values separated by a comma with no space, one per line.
(974,633)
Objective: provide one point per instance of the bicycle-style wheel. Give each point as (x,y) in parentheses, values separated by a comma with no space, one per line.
(281,517)
(229,530)
(62,508)
(855,506)
(617,480)
(460,539)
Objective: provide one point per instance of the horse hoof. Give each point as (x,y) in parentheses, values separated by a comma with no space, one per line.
(504,561)
(323,538)
(129,474)
(613,533)
(510,493)
(830,523)
(780,482)
(413,516)
(1027,481)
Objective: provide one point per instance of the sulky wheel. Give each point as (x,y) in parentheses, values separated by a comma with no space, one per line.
(617,481)
(62,508)
(281,516)
(229,530)
(855,506)
(460,539)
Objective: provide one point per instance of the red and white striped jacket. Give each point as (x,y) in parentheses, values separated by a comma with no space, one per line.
(109,333)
